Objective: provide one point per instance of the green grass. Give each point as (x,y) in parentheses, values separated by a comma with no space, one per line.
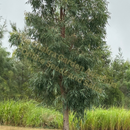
(29,114)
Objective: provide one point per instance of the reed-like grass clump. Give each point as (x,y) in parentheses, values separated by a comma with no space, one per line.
(101,119)
(29,114)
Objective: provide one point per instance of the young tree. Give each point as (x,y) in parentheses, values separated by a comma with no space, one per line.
(116,75)
(69,33)
(2,30)
(119,72)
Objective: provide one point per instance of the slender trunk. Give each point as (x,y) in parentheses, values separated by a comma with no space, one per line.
(66,119)
(65,110)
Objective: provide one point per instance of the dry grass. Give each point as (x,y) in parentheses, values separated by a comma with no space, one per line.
(21,128)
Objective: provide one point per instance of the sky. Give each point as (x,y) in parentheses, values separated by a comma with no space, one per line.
(118,28)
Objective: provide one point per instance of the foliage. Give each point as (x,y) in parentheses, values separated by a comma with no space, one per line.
(75,29)
(79,35)
(14,76)
(118,73)
(6,72)
(2,30)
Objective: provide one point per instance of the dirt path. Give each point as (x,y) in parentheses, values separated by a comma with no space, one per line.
(21,128)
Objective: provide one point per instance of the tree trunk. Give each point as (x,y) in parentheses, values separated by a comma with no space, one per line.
(66,119)
(65,110)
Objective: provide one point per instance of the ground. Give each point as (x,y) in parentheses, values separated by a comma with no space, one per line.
(21,128)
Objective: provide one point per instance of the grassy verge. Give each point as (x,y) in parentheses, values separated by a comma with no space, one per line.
(28,114)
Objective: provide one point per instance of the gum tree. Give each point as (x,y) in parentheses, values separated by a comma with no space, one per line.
(75,29)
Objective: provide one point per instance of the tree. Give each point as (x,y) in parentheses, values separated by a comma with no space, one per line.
(4,69)
(116,75)
(120,75)
(5,63)
(22,74)
(72,31)
(2,30)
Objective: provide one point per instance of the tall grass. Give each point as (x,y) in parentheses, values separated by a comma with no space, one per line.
(110,119)
(27,113)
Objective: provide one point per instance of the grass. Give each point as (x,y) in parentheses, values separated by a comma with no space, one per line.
(110,119)
(29,114)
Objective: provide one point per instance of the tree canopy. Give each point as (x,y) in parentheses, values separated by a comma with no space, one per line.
(76,30)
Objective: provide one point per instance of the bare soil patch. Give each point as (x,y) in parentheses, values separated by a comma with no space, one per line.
(22,128)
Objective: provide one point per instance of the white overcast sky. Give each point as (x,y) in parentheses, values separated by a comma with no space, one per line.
(118,30)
